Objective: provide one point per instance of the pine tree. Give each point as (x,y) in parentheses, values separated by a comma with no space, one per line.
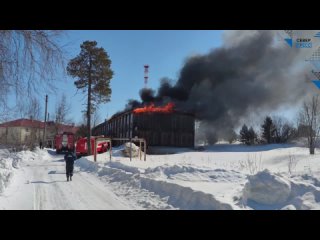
(268,130)
(248,136)
(244,134)
(93,72)
(252,136)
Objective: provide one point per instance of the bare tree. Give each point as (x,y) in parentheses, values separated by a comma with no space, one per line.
(4,110)
(29,60)
(30,109)
(284,130)
(33,111)
(310,117)
(62,112)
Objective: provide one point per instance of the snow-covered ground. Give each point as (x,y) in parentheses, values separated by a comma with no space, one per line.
(220,177)
(40,183)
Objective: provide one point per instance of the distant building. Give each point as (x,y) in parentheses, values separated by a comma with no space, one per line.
(22,131)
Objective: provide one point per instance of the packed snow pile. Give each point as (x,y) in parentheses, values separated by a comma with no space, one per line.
(134,150)
(304,196)
(267,188)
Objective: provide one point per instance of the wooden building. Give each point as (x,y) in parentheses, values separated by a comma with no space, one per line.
(174,129)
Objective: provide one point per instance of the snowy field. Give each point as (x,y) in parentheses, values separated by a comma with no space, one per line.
(220,177)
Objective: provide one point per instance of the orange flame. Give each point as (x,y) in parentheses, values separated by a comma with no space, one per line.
(165,109)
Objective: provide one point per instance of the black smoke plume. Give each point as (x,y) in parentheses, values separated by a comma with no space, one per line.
(250,73)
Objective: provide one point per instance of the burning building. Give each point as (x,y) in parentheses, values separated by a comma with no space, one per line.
(160,126)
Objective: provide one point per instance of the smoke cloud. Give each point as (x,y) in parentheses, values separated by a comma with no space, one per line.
(251,72)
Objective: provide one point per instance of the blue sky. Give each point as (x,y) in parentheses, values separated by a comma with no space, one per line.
(165,51)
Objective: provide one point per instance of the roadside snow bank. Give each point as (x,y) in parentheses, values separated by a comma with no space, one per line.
(178,196)
(41,154)
(7,162)
(184,197)
(26,155)
(125,184)
(11,160)
(122,166)
(6,173)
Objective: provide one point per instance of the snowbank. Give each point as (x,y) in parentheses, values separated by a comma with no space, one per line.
(124,167)
(178,196)
(192,173)
(184,197)
(304,196)
(6,173)
(125,184)
(274,191)
(267,188)
(11,160)
(6,170)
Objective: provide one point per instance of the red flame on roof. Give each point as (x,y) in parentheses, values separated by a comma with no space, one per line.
(152,109)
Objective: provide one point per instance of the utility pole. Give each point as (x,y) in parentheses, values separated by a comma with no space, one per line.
(89,109)
(45,121)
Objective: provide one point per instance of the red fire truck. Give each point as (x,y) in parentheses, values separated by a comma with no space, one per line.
(64,142)
(82,149)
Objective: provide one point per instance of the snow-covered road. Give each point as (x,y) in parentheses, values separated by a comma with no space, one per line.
(41,184)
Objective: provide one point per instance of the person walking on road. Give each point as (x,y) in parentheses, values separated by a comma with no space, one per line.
(69,159)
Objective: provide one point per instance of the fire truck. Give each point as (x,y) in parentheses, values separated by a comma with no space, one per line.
(64,142)
(82,148)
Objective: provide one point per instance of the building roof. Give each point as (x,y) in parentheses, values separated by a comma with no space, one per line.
(23,123)
(38,124)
